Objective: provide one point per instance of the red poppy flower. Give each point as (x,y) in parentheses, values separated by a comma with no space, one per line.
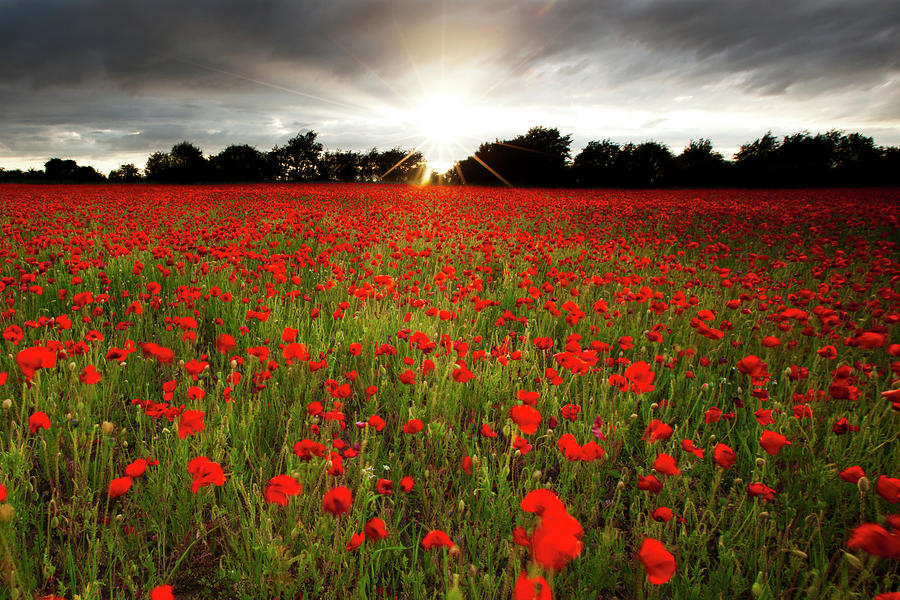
(89,376)
(280,487)
(438,538)
(688,446)
(649,483)
(30,360)
(526,417)
(656,431)
(413,426)
(118,487)
(829,352)
(384,487)
(876,540)
(641,377)
(662,514)
(526,397)
(375,529)
(337,501)
(137,468)
(486,431)
(772,442)
(761,489)
(888,488)
(541,501)
(764,417)
(191,422)
(531,588)
(522,445)
(356,540)
(376,422)
(162,592)
(38,420)
(658,562)
(205,472)
(407,377)
(665,464)
(3,493)
(754,367)
(852,474)
(724,456)
(406,484)
(305,449)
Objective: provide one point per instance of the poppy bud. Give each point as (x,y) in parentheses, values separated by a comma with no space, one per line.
(7,404)
(107,428)
(461,506)
(536,475)
(760,463)
(704,387)
(233,364)
(620,485)
(454,551)
(71,366)
(764,514)
(6,513)
(738,481)
(863,484)
(854,562)
(633,416)
(654,406)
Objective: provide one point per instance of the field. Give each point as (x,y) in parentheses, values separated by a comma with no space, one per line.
(397,392)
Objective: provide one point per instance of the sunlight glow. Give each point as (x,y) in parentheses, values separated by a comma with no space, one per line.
(442,118)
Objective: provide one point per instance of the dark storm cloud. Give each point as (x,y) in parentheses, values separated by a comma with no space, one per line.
(214,68)
(141,45)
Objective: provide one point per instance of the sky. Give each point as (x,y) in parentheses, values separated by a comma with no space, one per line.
(107,82)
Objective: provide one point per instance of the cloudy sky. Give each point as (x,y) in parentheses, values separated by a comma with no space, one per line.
(110,81)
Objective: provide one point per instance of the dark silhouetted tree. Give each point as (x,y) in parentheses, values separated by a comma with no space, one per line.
(240,163)
(125,174)
(757,163)
(595,165)
(68,171)
(298,160)
(536,159)
(644,165)
(340,166)
(183,164)
(57,169)
(699,165)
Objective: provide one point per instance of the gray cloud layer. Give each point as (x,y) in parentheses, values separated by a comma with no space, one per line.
(85,77)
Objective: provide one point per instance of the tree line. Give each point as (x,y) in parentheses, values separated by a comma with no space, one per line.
(542,157)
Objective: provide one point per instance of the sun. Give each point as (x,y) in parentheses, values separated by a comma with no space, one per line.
(442,118)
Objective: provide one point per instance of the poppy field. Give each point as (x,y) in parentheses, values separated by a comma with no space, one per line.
(342,391)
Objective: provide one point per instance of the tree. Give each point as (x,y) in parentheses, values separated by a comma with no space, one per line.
(158,167)
(644,165)
(340,166)
(57,169)
(699,165)
(595,165)
(536,159)
(68,170)
(184,164)
(125,174)
(757,162)
(298,160)
(188,164)
(239,163)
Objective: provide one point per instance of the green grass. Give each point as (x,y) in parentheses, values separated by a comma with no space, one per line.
(61,533)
